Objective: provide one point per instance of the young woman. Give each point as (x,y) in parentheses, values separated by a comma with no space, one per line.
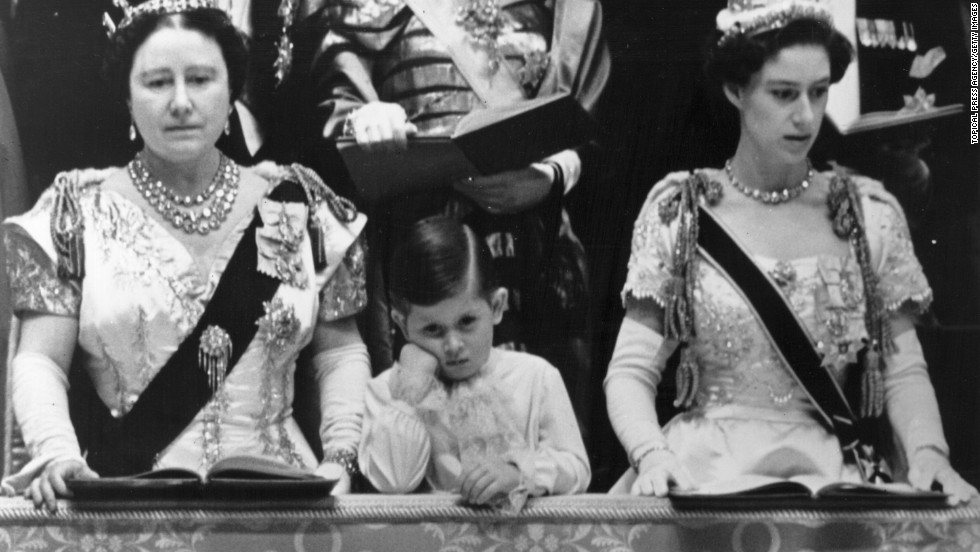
(176,293)
(836,251)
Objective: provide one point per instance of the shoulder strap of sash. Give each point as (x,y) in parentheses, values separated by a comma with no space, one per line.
(785,330)
(491,80)
(128,445)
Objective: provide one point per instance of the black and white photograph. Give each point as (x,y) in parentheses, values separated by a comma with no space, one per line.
(490,275)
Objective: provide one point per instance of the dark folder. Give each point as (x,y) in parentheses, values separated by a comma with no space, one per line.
(486,141)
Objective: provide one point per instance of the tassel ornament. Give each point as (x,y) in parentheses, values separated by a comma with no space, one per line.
(848,222)
(872,385)
(688,378)
(67,229)
(318,240)
(317,193)
(675,306)
(678,290)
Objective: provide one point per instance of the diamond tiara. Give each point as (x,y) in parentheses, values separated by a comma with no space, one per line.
(152,7)
(752,17)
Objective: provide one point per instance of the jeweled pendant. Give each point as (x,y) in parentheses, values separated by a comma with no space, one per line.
(213,354)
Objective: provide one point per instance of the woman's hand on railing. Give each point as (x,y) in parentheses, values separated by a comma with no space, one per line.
(659,471)
(928,467)
(47,487)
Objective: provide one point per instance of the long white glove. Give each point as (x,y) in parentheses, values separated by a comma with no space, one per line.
(631,388)
(910,398)
(914,415)
(342,374)
(39,392)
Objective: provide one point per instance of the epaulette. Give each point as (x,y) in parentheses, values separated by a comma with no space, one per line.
(317,194)
(844,204)
(679,186)
(67,224)
(681,196)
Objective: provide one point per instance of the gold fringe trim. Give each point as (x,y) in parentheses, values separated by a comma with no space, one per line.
(67,228)
(848,222)
(678,291)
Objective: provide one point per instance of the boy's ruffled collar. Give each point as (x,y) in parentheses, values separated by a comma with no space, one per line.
(478,412)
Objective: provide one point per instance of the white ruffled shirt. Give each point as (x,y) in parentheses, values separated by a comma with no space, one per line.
(516,407)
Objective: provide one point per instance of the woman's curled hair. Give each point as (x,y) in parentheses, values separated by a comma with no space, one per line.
(212,23)
(433,261)
(738,57)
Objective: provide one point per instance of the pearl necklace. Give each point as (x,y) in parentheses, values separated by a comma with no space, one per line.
(776,196)
(219,197)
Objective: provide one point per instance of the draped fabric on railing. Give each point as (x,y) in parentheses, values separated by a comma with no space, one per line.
(373,523)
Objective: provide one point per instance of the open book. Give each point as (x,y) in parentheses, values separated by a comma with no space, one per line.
(486,141)
(231,478)
(761,491)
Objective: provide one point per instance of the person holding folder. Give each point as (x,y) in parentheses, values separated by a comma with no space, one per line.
(392,71)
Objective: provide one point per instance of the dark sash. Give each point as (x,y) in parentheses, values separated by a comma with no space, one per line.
(787,334)
(128,445)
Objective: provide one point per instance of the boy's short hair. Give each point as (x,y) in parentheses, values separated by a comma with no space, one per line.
(432,262)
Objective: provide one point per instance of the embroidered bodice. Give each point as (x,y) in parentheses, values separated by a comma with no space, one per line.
(738,364)
(142,294)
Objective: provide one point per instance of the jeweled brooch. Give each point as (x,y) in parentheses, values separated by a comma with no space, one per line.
(213,354)
(279,325)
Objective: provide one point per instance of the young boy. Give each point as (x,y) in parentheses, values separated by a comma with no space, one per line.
(495,426)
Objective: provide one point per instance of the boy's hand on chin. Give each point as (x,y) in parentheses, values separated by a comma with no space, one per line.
(416,374)
(414,357)
(489,479)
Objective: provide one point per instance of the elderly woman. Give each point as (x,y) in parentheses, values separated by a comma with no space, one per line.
(162,306)
(782,286)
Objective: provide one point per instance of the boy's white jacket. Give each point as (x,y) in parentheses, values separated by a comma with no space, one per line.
(516,408)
